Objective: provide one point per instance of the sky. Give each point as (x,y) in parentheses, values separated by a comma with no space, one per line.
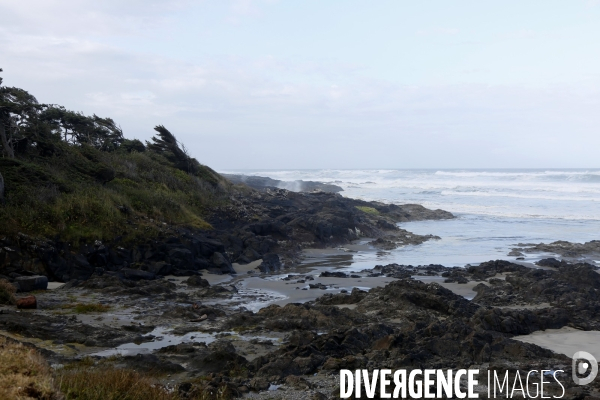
(339,84)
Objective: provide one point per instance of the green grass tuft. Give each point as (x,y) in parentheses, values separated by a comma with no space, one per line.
(368,210)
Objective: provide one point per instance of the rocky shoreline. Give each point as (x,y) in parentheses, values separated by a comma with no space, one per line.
(263,183)
(237,309)
(274,226)
(183,328)
(567,250)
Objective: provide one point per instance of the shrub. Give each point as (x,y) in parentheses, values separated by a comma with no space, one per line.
(7,292)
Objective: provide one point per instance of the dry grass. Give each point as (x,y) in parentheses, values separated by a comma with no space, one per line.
(7,292)
(110,384)
(85,382)
(24,374)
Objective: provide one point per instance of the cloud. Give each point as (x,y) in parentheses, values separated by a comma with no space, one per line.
(237,104)
(87,17)
(438,32)
(267,111)
(241,9)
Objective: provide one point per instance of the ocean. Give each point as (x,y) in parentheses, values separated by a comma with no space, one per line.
(496,209)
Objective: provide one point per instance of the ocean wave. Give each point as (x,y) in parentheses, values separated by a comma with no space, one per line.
(590,174)
(519,196)
(502,212)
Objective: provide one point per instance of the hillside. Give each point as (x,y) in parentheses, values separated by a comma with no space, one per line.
(77,178)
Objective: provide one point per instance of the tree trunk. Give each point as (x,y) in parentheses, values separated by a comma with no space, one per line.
(5,145)
(1,189)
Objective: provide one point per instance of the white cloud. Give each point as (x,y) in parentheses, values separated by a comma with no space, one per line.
(438,32)
(235,112)
(87,17)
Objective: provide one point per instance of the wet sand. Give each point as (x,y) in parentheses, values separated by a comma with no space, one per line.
(462,289)
(565,341)
(287,289)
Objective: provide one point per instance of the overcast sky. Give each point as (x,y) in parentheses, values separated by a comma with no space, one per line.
(324,84)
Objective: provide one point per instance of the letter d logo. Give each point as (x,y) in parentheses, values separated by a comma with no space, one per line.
(582,361)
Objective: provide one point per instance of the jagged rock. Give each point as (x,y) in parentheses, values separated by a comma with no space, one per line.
(333,274)
(271,263)
(549,262)
(151,363)
(196,280)
(160,268)
(136,274)
(222,263)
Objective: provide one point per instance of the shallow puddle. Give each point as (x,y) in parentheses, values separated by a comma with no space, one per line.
(164,338)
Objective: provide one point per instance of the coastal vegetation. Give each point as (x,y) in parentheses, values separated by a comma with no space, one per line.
(77,178)
(24,374)
(368,210)
(7,292)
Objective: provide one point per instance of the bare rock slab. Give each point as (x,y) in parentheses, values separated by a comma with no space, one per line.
(31,283)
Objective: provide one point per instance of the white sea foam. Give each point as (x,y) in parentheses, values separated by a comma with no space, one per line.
(496,208)
(555,194)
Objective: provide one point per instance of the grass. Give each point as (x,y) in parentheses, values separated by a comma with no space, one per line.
(7,293)
(368,210)
(61,196)
(107,383)
(24,374)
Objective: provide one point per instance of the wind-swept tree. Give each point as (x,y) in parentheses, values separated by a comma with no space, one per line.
(18,111)
(166,144)
(25,122)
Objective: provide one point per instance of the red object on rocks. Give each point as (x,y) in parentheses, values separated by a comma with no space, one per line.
(27,302)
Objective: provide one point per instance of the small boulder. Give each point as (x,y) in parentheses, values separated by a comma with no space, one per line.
(222,263)
(30,283)
(197,281)
(271,263)
(29,302)
(333,274)
(137,275)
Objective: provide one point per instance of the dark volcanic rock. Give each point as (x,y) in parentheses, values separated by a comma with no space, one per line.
(270,263)
(222,264)
(197,281)
(61,329)
(566,249)
(31,283)
(136,275)
(151,363)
